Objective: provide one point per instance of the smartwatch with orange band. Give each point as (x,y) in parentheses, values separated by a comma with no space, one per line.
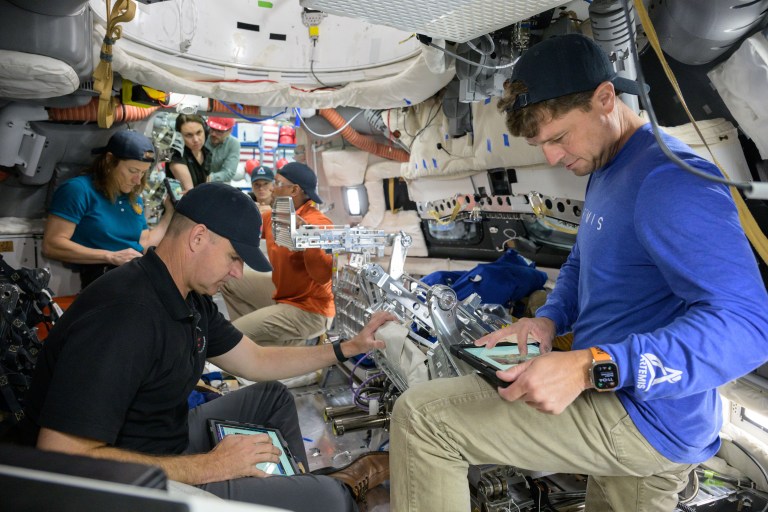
(604,374)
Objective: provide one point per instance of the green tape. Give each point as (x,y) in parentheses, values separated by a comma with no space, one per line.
(267,5)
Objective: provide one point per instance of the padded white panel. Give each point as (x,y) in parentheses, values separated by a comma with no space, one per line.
(454,20)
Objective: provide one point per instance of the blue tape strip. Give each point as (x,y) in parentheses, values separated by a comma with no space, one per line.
(434,163)
(488,144)
(407,102)
(506,139)
(424,163)
(487,100)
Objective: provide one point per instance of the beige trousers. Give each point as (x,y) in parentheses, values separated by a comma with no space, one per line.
(255,314)
(251,292)
(442,426)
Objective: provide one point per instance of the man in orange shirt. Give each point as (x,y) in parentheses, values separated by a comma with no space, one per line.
(301,304)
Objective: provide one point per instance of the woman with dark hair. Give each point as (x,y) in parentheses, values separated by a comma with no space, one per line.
(193,166)
(96,221)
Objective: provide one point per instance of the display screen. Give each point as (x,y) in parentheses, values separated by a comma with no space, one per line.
(174,189)
(503,356)
(270,468)
(605,375)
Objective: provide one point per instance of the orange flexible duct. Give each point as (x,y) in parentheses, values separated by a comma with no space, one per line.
(90,112)
(248,110)
(361,141)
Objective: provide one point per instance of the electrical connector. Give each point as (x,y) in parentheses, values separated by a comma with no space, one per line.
(312,19)
(758,190)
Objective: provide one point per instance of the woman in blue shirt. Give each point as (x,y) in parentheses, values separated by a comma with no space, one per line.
(96,221)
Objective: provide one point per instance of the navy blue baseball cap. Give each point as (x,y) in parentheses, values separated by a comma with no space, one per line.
(564,65)
(303,176)
(129,145)
(262,173)
(229,213)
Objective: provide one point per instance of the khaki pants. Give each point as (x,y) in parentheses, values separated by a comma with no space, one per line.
(255,314)
(442,426)
(281,324)
(251,292)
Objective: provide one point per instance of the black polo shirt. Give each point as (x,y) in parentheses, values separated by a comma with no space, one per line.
(120,363)
(198,171)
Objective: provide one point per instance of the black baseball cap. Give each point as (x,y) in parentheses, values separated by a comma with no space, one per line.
(129,145)
(564,65)
(303,176)
(229,213)
(262,173)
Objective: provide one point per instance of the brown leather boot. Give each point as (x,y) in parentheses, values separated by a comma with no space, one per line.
(366,472)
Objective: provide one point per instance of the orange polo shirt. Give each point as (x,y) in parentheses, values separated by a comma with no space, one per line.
(302,278)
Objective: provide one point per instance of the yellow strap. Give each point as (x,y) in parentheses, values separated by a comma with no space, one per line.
(538,210)
(752,230)
(392,194)
(122,11)
(452,218)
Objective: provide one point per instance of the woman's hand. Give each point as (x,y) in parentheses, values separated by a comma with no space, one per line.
(117,258)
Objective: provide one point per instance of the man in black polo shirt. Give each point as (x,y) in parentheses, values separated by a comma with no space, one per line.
(115,371)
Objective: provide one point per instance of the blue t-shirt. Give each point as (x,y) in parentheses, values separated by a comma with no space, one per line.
(663,278)
(101,224)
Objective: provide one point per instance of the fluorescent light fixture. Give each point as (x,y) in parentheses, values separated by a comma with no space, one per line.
(355,200)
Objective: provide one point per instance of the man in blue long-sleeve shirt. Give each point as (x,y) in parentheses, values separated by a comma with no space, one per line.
(661,292)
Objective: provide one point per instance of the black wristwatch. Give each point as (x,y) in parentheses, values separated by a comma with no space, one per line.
(604,374)
(337,350)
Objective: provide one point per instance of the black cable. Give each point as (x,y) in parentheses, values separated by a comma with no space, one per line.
(312,65)
(753,459)
(430,117)
(441,148)
(652,115)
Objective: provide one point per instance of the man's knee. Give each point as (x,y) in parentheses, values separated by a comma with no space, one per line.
(272,388)
(413,400)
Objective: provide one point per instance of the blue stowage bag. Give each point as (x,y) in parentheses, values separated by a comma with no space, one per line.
(506,280)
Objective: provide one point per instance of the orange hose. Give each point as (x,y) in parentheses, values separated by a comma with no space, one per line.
(249,110)
(90,112)
(361,141)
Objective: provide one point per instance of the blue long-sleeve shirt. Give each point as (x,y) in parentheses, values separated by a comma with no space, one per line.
(663,278)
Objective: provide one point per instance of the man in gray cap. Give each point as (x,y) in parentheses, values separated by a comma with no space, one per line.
(301,302)
(113,377)
(658,324)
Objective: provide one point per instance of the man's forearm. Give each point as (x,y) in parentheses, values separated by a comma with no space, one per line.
(189,469)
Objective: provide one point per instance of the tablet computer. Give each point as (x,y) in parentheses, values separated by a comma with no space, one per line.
(488,360)
(286,466)
(173,187)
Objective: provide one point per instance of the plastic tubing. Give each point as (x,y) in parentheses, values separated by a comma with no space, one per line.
(361,141)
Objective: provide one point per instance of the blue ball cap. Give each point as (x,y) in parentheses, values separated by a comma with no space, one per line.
(304,177)
(229,213)
(564,65)
(129,145)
